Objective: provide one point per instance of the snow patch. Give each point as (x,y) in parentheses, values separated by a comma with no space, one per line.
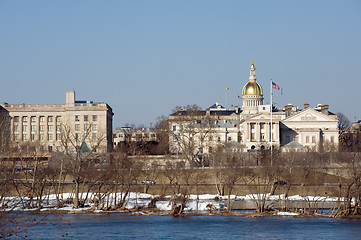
(287,214)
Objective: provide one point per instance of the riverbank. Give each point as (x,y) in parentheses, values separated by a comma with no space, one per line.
(206,204)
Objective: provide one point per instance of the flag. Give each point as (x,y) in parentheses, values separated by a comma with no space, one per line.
(239,97)
(281,92)
(275,86)
(227,88)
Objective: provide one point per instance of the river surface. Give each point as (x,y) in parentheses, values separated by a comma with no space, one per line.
(120,226)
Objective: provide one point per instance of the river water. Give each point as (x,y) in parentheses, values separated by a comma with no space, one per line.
(120,226)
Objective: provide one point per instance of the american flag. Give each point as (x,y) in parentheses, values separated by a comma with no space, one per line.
(275,86)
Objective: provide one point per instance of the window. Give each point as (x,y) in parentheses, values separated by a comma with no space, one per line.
(77,118)
(25,128)
(16,128)
(253,134)
(58,118)
(262,136)
(77,127)
(25,119)
(76,136)
(332,139)
(95,118)
(25,137)
(58,137)
(86,118)
(16,119)
(219,139)
(42,137)
(41,128)
(50,128)
(210,138)
(58,148)
(229,139)
(50,137)
(174,128)
(58,128)
(313,139)
(152,135)
(95,127)
(95,136)
(33,128)
(86,127)
(307,139)
(41,119)
(33,119)
(50,119)
(50,148)
(16,137)
(121,135)
(33,137)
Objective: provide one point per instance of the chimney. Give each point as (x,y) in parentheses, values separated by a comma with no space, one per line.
(236,109)
(208,112)
(70,98)
(288,110)
(306,105)
(324,109)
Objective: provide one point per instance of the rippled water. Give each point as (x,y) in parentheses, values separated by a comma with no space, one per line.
(120,226)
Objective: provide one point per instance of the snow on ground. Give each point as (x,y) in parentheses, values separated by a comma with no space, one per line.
(287,214)
(140,200)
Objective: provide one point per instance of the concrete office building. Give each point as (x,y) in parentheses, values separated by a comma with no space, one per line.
(50,124)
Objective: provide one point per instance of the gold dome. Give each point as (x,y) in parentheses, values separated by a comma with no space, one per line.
(252,88)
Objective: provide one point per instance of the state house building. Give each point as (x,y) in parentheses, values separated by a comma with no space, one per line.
(249,128)
(47,123)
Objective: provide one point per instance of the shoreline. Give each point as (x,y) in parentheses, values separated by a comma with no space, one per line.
(157,212)
(196,205)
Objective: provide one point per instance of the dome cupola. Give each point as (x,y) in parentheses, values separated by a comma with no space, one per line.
(252,93)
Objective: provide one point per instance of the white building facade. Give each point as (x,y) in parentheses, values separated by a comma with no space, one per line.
(251,128)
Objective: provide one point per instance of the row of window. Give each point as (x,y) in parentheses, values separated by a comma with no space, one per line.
(94,127)
(86,118)
(41,128)
(33,119)
(49,137)
(308,139)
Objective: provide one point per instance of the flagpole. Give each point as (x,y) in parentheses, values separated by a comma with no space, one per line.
(271,115)
(226,98)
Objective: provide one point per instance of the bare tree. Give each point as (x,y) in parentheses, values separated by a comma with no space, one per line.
(162,129)
(261,179)
(349,172)
(190,132)
(126,174)
(5,136)
(79,154)
(343,122)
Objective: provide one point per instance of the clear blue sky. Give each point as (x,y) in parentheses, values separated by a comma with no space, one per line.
(145,57)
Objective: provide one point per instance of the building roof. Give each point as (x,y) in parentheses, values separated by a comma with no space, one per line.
(293,144)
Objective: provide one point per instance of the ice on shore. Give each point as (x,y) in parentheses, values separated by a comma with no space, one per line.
(287,214)
(140,200)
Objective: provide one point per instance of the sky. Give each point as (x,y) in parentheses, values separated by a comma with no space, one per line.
(144,58)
